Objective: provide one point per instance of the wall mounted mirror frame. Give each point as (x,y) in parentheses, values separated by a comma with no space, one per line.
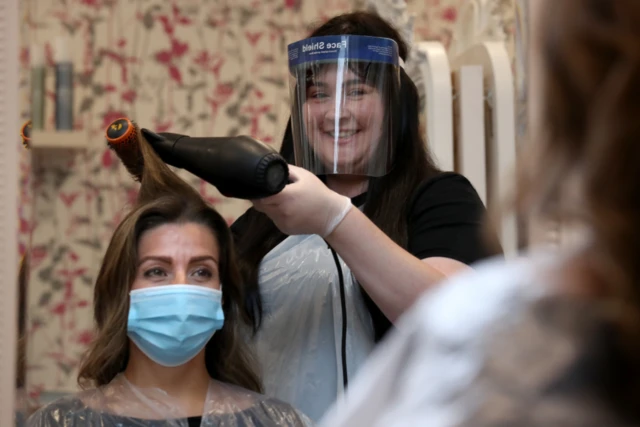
(9,260)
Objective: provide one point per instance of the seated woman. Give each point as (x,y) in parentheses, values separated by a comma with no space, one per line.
(166,304)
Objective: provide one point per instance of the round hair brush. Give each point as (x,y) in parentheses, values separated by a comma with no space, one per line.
(25,134)
(238,166)
(122,137)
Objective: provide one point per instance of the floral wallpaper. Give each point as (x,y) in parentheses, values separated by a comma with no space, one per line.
(191,66)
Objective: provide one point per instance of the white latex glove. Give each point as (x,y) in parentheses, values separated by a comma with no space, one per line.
(306,206)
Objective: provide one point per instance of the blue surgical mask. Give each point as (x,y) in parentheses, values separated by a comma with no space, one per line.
(171,324)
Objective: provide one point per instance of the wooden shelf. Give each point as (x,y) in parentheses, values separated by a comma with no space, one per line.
(77,140)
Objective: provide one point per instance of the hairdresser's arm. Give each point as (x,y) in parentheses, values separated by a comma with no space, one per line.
(392,277)
(442,226)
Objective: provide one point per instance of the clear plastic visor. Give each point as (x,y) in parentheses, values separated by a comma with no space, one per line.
(342,104)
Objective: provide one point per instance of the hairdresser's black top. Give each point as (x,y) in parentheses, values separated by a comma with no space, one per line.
(445,220)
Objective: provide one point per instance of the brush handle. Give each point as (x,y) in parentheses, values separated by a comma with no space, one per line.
(122,132)
(122,137)
(25,134)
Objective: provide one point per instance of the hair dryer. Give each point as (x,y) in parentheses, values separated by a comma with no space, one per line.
(239,166)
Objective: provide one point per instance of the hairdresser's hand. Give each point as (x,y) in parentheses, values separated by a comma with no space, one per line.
(306,206)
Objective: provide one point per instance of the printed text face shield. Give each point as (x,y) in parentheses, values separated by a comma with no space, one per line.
(343,89)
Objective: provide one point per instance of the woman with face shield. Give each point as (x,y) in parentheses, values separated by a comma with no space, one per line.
(167,307)
(367,224)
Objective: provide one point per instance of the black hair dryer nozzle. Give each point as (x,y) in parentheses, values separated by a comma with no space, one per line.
(240,166)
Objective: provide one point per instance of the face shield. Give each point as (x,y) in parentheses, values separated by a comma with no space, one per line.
(343,89)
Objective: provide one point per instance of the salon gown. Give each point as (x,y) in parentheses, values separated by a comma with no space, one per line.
(299,344)
(59,416)
(121,404)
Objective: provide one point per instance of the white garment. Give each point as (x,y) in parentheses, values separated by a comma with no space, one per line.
(299,343)
(483,349)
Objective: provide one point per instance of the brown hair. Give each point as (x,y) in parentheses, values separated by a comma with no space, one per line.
(590,53)
(163,198)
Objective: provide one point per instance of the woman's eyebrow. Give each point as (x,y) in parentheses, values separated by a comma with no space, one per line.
(201,258)
(349,82)
(169,260)
(162,259)
(353,82)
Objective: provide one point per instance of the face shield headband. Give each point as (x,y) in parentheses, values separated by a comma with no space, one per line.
(343,91)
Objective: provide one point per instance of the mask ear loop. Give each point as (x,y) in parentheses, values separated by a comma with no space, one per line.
(400,62)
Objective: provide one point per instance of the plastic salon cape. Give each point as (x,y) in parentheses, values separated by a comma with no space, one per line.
(303,312)
(120,404)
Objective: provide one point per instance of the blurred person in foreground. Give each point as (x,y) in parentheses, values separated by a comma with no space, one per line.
(552,339)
